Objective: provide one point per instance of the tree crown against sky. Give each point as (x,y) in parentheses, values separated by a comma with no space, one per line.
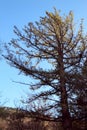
(53,54)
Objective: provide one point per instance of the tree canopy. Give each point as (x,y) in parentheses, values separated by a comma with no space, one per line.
(53,54)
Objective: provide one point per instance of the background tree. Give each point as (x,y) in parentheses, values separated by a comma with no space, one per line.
(82,94)
(52,53)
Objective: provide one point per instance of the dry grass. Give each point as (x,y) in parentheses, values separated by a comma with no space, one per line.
(3,124)
(15,121)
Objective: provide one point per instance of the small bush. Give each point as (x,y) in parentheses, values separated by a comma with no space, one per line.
(3,113)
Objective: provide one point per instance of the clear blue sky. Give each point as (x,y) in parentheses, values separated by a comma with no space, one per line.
(19,13)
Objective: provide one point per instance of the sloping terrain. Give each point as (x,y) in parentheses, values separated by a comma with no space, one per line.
(14,119)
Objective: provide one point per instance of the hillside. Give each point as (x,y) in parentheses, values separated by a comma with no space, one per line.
(15,119)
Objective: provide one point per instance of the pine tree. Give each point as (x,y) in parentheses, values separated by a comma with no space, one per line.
(52,53)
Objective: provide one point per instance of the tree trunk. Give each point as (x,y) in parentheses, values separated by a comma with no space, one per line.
(66,118)
(67,122)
